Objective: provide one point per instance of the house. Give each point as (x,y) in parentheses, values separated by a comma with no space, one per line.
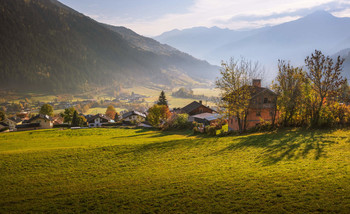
(44,121)
(134,117)
(194,108)
(98,120)
(13,122)
(262,107)
(205,118)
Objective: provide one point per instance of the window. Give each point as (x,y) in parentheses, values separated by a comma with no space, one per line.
(266,100)
(258,113)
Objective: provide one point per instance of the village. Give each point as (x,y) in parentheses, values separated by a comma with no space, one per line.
(195,113)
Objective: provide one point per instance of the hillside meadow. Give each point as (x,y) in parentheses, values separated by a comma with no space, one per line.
(125,170)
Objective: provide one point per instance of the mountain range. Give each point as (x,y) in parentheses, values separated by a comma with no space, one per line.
(291,41)
(47,46)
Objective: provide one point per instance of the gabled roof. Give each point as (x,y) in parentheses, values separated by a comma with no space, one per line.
(130,113)
(102,116)
(256,91)
(190,107)
(40,116)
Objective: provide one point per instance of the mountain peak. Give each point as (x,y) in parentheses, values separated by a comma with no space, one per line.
(319,14)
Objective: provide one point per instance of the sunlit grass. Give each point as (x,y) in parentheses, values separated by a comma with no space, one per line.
(135,170)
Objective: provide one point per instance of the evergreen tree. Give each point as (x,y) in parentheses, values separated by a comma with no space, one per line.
(75,119)
(162,99)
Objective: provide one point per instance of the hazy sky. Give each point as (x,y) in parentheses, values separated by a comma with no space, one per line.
(153,17)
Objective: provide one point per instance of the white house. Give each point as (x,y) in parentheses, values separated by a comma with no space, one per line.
(98,120)
(134,117)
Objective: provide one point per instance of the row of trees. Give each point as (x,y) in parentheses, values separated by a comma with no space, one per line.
(314,97)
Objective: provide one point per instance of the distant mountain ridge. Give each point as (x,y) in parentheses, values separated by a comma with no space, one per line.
(289,41)
(47,46)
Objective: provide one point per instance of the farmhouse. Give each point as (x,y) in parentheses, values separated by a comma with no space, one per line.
(98,120)
(44,121)
(262,107)
(134,117)
(195,108)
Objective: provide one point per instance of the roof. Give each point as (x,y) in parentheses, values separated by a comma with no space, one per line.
(130,113)
(4,124)
(192,106)
(40,116)
(207,116)
(98,116)
(28,125)
(256,91)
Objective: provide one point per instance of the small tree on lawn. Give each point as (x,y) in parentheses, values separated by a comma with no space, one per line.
(288,87)
(158,114)
(162,99)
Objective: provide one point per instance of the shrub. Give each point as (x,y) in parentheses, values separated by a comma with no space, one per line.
(210,130)
(177,122)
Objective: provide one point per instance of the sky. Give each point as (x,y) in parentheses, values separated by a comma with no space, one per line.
(153,17)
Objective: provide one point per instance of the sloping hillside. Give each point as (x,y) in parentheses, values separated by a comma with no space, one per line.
(47,46)
(143,171)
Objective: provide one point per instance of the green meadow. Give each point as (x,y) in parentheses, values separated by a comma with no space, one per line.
(124,170)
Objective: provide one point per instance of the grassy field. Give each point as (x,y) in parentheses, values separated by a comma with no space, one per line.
(142,171)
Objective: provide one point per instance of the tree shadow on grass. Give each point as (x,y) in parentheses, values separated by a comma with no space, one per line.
(160,147)
(286,145)
(154,133)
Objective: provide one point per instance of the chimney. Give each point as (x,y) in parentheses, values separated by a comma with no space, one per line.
(257,83)
(200,102)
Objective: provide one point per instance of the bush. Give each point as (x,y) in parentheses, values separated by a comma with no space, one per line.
(177,122)
(210,130)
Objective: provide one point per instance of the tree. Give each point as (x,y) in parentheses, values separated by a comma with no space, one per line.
(2,116)
(46,109)
(325,75)
(75,119)
(68,115)
(235,90)
(162,99)
(158,114)
(78,120)
(111,112)
(288,88)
